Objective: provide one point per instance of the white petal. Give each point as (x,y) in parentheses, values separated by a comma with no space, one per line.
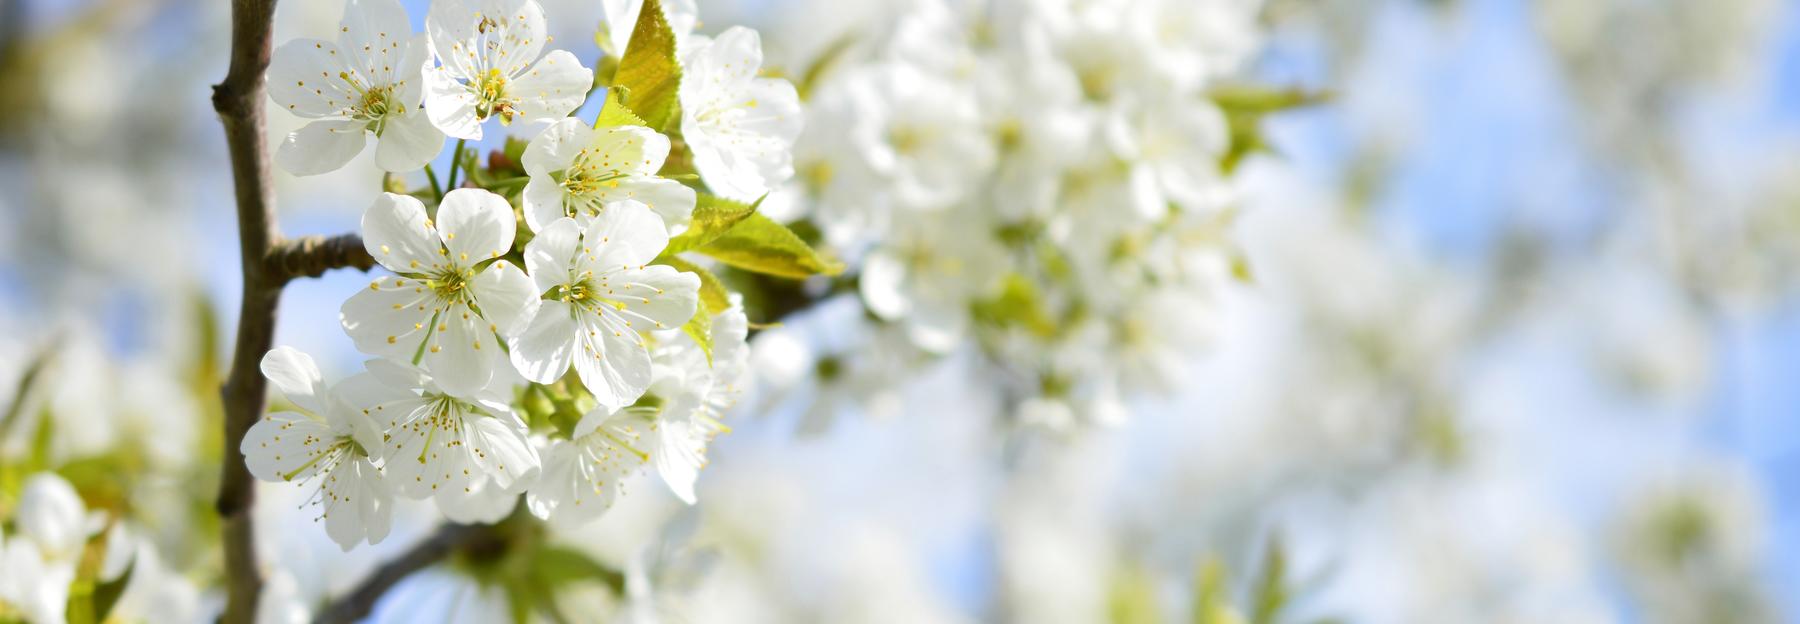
(455,354)
(678,454)
(374,34)
(302,79)
(321,147)
(285,446)
(500,447)
(556,147)
(542,352)
(512,37)
(476,225)
(654,297)
(424,453)
(625,233)
(450,105)
(553,486)
(408,141)
(398,234)
(357,504)
(297,377)
(51,514)
(506,296)
(484,503)
(354,401)
(628,150)
(612,361)
(732,58)
(552,88)
(883,284)
(743,146)
(551,254)
(390,318)
(406,377)
(670,200)
(544,202)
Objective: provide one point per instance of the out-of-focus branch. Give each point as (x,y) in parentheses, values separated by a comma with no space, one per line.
(239,102)
(447,539)
(312,256)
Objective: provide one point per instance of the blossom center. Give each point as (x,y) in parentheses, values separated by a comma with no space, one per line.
(451,284)
(491,99)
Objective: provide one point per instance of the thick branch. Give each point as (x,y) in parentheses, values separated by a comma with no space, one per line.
(239,102)
(312,256)
(447,539)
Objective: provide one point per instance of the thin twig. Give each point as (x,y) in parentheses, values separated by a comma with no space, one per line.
(239,102)
(312,256)
(359,602)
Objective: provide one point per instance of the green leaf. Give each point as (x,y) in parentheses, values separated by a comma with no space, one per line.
(1257,99)
(1018,304)
(760,245)
(557,565)
(1270,593)
(614,112)
(649,71)
(712,291)
(713,216)
(700,329)
(107,594)
(1246,105)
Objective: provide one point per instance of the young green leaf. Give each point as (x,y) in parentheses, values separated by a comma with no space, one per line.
(614,112)
(760,245)
(712,291)
(1246,105)
(649,70)
(713,216)
(700,329)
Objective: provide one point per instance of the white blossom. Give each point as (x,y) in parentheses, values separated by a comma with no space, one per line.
(489,67)
(584,474)
(37,562)
(697,392)
(366,82)
(928,272)
(601,293)
(576,169)
(739,127)
(454,300)
(447,445)
(328,444)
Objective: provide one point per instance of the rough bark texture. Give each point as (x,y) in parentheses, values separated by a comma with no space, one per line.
(312,256)
(239,102)
(268,263)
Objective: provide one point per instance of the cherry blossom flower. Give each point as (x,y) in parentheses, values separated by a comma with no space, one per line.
(366,82)
(489,67)
(586,473)
(576,169)
(740,128)
(454,300)
(926,274)
(326,444)
(697,393)
(448,445)
(600,293)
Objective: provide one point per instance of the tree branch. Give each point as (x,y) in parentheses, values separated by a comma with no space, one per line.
(312,256)
(239,102)
(447,539)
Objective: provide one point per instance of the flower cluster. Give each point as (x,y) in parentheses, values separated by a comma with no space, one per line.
(534,333)
(1047,179)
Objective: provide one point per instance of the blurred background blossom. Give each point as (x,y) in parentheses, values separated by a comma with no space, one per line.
(1508,329)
